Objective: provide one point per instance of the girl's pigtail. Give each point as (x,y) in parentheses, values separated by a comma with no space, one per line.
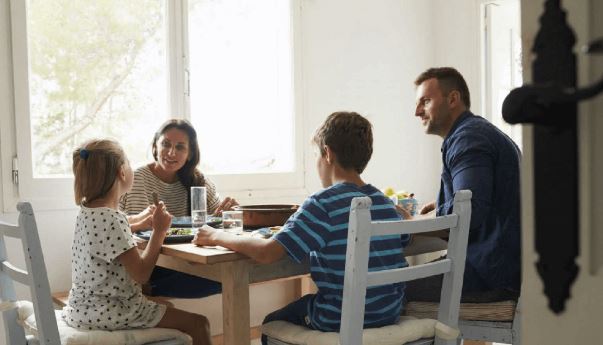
(79,172)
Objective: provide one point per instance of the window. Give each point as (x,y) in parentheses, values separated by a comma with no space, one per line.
(88,69)
(242,51)
(501,51)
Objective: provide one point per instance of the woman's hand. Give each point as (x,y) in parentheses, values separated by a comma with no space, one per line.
(161,218)
(227,204)
(205,236)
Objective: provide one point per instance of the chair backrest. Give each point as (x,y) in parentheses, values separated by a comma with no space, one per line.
(357,278)
(34,276)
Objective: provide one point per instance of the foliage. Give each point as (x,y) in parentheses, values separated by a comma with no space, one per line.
(82,56)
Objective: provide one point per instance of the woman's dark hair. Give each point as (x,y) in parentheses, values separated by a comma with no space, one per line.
(189,175)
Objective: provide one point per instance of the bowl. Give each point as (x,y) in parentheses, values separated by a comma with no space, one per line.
(259,216)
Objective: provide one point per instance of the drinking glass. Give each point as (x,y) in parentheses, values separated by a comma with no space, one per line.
(198,206)
(232,221)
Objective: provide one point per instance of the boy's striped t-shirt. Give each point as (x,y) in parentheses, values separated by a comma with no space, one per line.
(319,230)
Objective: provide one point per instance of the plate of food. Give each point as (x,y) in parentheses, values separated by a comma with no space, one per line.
(174,235)
(185,222)
(266,232)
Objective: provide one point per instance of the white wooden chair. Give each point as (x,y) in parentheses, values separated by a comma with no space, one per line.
(507,332)
(36,279)
(357,278)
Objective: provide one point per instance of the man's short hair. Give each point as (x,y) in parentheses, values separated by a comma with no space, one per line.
(350,136)
(449,79)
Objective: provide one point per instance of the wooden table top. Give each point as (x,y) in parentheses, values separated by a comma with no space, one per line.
(193,253)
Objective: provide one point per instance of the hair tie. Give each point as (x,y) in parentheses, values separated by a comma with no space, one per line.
(84,154)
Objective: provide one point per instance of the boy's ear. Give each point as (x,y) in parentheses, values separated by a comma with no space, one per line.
(329,156)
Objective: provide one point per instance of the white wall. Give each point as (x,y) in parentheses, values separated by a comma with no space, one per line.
(356,55)
(364,56)
(457,42)
(581,322)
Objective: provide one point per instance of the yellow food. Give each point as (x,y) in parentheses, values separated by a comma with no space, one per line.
(389,191)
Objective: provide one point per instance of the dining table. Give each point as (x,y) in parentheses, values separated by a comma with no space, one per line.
(235,271)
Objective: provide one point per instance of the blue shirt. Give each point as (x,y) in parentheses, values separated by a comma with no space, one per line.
(478,156)
(319,230)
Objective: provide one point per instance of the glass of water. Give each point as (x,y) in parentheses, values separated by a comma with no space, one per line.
(232,221)
(198,206)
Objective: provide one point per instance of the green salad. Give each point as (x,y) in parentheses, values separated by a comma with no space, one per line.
(180,231)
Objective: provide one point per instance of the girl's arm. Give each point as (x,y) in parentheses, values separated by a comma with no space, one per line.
(260,249)
(143,220)
(140,265)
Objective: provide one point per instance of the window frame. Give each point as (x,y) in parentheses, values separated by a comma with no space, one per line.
(57,193)
(487,68)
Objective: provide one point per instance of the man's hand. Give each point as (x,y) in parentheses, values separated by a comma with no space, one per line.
(429,207)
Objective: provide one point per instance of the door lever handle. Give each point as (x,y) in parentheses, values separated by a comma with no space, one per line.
(544,104)
(539,103)
(594,47)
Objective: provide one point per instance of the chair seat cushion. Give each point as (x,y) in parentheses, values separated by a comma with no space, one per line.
(73,336)
(406,330)
(493,311)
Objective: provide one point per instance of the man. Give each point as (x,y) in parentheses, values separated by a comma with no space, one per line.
(476,156)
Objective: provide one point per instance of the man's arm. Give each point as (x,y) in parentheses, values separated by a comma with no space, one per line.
(472,168)
(259,249)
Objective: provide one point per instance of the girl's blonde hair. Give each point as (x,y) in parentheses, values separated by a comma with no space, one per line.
(96,164)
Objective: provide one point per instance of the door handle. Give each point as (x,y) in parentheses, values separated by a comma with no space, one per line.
(540,104)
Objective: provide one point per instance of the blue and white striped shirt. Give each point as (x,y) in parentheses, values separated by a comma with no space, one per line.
(319,230)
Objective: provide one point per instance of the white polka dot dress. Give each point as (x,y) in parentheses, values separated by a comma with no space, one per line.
(103,295)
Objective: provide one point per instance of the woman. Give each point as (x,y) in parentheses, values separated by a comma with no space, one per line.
(176,153)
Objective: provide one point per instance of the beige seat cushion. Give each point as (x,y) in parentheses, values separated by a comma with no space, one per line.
(495,311)
(72,336)
(406,330)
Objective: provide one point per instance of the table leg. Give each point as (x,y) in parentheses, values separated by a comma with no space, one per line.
(235,303)
(304,285)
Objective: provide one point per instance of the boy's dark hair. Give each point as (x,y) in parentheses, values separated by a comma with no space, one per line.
(449,79)
(349,136)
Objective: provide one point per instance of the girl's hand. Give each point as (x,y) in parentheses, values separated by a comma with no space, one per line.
(162,219)
(146,223)
(205,236)
(148,211)
(227,204)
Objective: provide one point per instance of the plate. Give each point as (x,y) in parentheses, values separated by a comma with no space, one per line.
(185,222)
(266,232)
(176,238)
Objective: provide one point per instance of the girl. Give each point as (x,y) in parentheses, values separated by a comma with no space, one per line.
(107,268)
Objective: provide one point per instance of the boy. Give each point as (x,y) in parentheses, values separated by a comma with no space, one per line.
(318,231)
